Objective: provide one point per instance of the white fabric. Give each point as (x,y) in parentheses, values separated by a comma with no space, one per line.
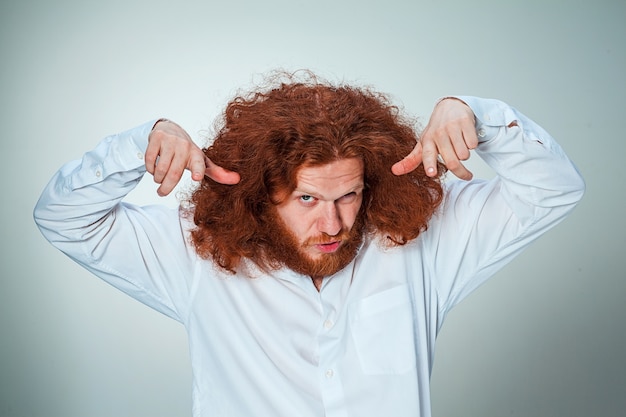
(271,345)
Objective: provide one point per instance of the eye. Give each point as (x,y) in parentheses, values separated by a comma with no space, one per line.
(348,198)
(307,199)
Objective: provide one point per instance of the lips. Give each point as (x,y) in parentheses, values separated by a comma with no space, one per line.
(328,247)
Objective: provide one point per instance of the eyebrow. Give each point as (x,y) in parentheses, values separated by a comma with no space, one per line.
(357,188)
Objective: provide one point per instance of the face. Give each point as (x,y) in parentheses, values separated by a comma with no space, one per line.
(317,219)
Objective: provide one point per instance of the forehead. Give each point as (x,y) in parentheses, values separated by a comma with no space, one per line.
(328,180)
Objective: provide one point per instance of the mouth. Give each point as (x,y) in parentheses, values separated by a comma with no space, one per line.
(329,247)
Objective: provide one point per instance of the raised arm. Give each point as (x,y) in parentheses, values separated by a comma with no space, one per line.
(483,224)
(136,249)
(526,157)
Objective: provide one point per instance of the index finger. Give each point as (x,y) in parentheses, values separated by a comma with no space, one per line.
(197,166)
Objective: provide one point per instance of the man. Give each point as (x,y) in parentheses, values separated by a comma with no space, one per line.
(316,261)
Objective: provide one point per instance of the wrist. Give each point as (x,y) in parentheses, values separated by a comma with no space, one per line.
(161,120)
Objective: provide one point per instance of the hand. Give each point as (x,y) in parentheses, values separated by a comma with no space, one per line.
(449,133)
(171,151)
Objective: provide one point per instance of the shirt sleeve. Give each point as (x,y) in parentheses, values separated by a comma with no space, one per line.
(482,225)
(140,250)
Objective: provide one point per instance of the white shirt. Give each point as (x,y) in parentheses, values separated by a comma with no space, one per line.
(271,344)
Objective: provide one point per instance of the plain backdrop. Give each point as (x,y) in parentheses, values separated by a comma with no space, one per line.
(545,337)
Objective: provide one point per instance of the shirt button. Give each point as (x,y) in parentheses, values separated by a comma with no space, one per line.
(139,155)
(98,174)
(329,374)
(481,132)
(328,324)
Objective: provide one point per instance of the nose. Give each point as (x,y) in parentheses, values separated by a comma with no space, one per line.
(330,221)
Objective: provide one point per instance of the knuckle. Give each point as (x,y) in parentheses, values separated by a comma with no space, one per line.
(160,171)
(183,144)
(429,151)
(150,158)
(454,164)
(468,118)
(463,154)
(175,173)
(441,131)
(156,135)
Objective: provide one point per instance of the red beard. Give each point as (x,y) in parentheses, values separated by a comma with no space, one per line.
(287,251)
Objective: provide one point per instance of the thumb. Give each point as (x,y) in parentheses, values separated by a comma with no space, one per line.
(219,174)
(409,162)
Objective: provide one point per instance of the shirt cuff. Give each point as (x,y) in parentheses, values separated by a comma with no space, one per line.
(490,115)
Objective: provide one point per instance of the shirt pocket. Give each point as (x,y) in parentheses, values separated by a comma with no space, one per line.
(382,331)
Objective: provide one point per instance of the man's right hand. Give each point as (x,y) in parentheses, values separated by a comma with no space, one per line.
(171,151)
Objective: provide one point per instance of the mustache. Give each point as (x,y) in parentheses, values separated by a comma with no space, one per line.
(324,238)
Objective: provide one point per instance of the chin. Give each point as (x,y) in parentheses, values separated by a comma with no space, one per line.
(309,261)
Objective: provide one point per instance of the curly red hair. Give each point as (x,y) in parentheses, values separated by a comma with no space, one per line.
(266,136)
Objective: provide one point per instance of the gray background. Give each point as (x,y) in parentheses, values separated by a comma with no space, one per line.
(544,338)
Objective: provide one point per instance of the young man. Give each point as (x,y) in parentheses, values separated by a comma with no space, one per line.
(316,261)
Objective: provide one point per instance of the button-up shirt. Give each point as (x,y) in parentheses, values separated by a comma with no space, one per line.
(270,344)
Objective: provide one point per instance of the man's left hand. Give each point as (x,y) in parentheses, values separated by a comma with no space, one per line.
(451,134)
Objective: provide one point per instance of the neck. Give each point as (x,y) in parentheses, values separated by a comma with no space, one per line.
(317,281)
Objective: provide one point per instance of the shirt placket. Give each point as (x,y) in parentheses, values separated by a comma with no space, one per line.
(329,342)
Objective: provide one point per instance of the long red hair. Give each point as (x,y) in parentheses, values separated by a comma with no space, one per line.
(267,135)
